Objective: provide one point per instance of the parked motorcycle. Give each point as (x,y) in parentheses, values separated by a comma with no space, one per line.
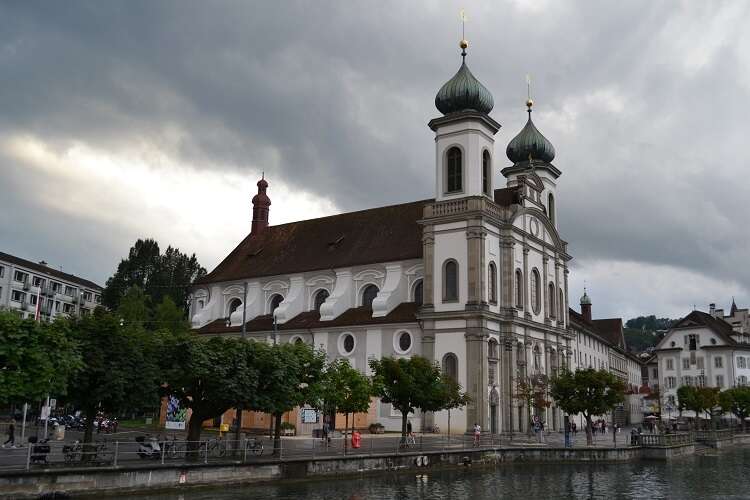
(148,447)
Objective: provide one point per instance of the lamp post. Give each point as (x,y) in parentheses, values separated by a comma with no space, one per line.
(242,336)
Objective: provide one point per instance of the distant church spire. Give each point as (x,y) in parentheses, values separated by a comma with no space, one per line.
(733,309)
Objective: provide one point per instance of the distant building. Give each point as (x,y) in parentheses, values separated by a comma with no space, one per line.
(23,282)
(703,350)
(738,318)
(600,344)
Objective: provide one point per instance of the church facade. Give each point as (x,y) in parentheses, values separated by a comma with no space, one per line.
(475,279)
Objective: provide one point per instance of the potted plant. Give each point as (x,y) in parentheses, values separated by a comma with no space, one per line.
(288,429)
(376,428)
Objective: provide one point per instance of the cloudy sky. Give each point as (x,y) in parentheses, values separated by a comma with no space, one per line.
(121,120)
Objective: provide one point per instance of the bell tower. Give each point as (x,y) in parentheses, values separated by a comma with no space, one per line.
(464,136)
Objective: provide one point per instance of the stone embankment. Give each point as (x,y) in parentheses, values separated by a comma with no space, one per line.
(81,482)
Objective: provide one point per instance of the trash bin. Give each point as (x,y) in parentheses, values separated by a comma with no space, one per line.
(59,432)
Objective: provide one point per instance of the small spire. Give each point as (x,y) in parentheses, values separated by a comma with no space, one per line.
(529,102)
(464,44)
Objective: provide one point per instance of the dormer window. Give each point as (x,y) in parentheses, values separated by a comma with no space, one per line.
(454,170)
(368,295)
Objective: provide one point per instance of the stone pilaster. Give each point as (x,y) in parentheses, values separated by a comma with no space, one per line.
(507,273)
(428,280)
(428,351)
(526,305)
(476,374)
(567,301)
(560,305)
(475,239)
(546,300)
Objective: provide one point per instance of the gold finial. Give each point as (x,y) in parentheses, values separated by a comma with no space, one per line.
(464,44)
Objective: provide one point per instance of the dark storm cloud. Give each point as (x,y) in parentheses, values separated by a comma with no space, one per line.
(645,103)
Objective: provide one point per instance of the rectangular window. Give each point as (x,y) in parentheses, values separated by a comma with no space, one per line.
(68,308)
(70,291)
(21,276)
(87,296)
(32,299)
(700,380)
(700,363)
(55,286)
(57,306)
(2,271)
(98,299)
(37,281)
(685,363)
(670,364)
(18,296)
(740,362)
(719,381)
(718,362)
(669,382)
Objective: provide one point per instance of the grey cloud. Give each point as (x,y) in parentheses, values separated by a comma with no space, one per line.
(334,98)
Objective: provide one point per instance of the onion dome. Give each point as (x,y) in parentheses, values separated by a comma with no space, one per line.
(463,92)
(585,300)
(530,143)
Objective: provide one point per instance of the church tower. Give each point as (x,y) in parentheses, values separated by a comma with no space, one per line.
(464,136)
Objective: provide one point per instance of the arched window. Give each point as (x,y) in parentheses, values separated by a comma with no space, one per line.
(492,351)
(519,289)
(551,299)
(454,170)
(561,306)
(537,359)
(418,293)
(320,297)
(492,278)
(551,208)
(535,290)
(276,299)
(492,354)
(234,304)
(450,280)
(450,366)
(486,173)
(368,295)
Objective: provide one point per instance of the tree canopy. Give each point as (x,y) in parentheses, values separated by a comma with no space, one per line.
(36,359)
(158,274)
(589,392)
(414,383)
(737,401)
(119,370)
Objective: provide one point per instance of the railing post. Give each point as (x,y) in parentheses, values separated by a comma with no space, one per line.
(205,459)
(117,451)
(281,448)
(244,450)
(163,447)
(28,455)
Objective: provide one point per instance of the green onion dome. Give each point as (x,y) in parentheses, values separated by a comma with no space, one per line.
(530,142)
(463,92)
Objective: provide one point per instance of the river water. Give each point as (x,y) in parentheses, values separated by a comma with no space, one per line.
(723,475)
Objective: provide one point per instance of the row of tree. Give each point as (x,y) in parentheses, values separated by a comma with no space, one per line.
(714,402)
(109,362)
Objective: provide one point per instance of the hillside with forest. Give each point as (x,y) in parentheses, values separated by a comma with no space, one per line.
(644,332)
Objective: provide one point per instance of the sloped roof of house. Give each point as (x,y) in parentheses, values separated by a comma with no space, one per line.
(607,330)
(699,318)
(356,316)
(44,269)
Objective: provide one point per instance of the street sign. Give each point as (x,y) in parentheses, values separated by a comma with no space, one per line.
(45,413)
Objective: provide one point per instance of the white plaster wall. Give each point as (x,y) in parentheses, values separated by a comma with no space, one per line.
(450,245)
(455,342)
(472,136)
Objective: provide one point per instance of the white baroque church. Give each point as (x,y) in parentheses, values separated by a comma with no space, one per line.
(475,278)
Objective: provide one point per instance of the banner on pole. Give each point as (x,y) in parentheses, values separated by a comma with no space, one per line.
(176,415)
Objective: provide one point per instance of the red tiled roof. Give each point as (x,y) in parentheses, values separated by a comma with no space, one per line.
(356,316)
(43,269)
(384,234)
(611,330)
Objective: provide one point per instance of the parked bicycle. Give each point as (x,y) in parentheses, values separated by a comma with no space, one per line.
(216,447)
(173,448)
(254,446)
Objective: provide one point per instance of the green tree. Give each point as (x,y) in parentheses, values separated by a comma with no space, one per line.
(344,389)
(698,400)
(453,398)
(289,377)
(134,307)
(37,359)
(169,317)
(737,401)
(410,384)
(532,392)
(157,274)
(589,392)
(119,370)
(210,376)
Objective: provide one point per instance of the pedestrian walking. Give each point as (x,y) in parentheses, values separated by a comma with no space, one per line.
(11,434)
(410,439)
(477,433)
